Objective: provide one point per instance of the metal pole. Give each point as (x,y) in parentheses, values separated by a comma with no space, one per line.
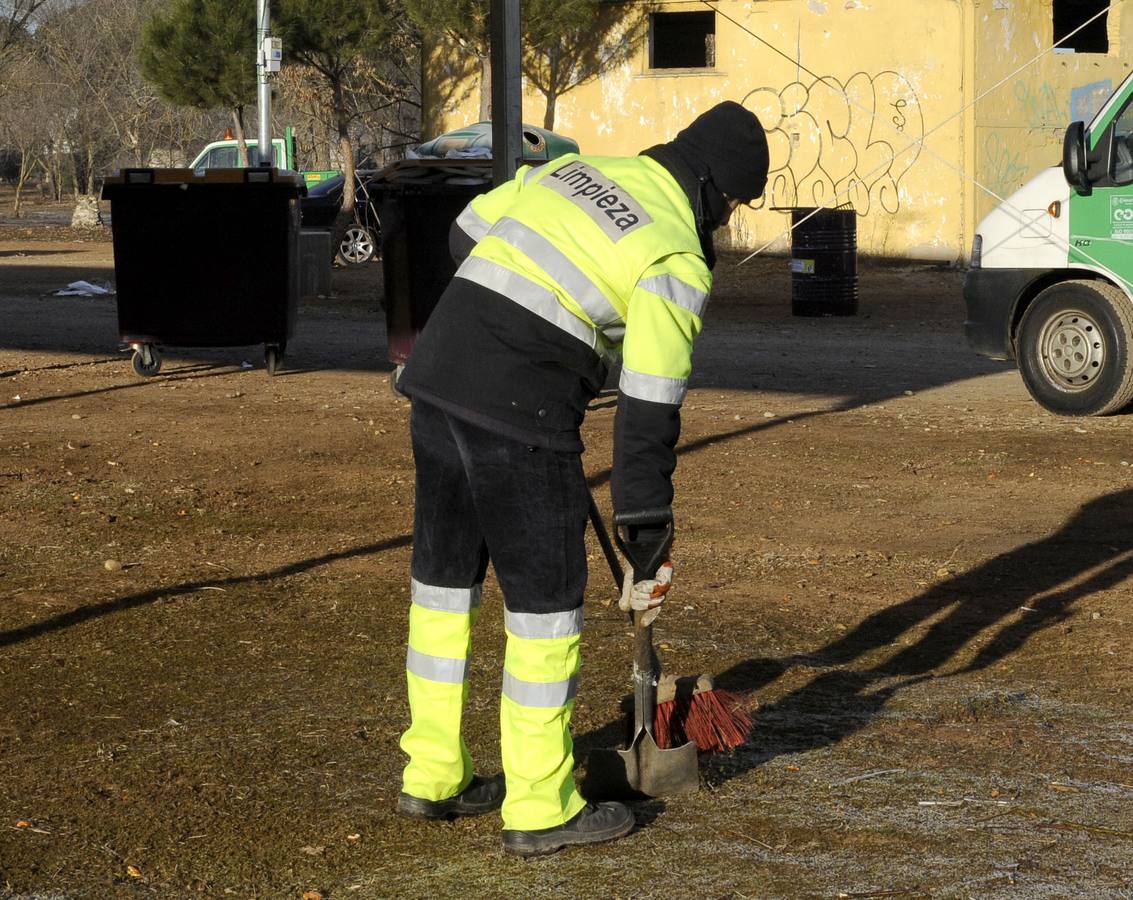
(507,101)
(263,22)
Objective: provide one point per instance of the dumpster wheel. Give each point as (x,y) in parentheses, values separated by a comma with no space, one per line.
(273,358)
(393,378)
(146,360)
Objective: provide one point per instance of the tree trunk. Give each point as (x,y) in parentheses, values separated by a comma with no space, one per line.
(47,190)
(345,150)
(549,115)
(53,168)
(134,140)
(76,161)
(348,212)
(241,140)
(485,88)
(90,171)
(26,168)
(552,92)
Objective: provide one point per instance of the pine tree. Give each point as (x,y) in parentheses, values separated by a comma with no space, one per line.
(337,39)
(201,53)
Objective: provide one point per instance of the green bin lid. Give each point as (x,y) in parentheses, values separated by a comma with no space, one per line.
(538,143)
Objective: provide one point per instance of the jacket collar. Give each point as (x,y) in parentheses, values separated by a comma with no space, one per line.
(697,190)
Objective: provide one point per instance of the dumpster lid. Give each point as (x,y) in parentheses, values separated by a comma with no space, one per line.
(264,175)
(435,171)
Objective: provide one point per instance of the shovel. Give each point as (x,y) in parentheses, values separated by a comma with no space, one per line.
(643,768)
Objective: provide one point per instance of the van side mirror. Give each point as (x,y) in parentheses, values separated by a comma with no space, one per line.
(1074,157)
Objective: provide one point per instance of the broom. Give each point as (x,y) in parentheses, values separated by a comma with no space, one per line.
(688,709)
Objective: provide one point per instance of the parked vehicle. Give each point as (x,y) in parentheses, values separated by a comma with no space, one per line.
(1051,282)
(225,154)
(361,241)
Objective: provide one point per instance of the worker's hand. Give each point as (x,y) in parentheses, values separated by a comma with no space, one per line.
(647,594)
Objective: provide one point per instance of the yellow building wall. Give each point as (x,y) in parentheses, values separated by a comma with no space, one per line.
(1020,123)
(866,102)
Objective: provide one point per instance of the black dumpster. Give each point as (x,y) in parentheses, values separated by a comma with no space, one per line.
(205,260)
(824,262)
(420,199)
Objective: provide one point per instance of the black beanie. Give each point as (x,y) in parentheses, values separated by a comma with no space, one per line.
(729,141)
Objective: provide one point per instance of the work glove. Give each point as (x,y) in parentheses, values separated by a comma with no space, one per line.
(648,594)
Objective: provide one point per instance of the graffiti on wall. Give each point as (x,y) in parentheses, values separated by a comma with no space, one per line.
(833,143)
(1039,104)
(1085,101)
(1005,167)
(1010,154)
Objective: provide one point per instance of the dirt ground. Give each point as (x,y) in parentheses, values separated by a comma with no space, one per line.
(920,577)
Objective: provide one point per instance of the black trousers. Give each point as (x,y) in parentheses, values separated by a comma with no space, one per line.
(482,497)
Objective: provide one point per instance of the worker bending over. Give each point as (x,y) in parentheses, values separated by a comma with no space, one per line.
(563,268)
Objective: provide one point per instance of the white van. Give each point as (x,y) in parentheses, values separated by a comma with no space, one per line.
(1052,266)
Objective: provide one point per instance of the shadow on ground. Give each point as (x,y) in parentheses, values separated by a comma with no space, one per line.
(1013,597)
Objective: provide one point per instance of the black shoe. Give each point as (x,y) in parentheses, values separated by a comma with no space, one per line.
(596,823)
(481,796)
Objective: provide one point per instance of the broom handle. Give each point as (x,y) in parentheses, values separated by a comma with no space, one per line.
(607,545)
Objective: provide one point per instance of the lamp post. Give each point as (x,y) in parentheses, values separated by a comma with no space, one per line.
(507,100)
(268,55)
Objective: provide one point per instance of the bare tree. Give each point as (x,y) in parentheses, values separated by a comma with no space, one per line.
(28,115)
(16,18)
(91,48)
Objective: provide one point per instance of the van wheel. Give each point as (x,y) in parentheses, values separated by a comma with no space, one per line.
(1074,349)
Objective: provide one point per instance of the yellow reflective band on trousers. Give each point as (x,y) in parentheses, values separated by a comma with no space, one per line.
(540,678)
(440,765)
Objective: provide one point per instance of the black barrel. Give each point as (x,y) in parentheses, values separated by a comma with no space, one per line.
(824,262)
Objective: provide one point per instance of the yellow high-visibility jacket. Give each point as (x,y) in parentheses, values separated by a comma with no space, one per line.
(575,263)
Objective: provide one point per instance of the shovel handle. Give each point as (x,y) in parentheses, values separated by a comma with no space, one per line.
(645,560)
(646,668)
(645,557)
(646,671)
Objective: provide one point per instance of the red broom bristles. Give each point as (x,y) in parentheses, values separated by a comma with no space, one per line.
(714,720)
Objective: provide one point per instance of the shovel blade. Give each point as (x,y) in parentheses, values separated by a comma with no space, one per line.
(642,770)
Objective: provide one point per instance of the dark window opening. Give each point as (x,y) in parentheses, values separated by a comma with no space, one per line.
(684,40)
(1070,14)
